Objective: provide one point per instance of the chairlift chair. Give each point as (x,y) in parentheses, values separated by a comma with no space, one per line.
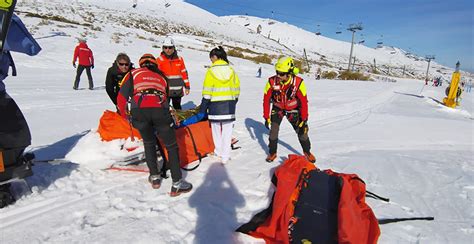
(339,29)
(318,31)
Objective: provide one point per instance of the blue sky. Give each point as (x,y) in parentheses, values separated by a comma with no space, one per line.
(443,28)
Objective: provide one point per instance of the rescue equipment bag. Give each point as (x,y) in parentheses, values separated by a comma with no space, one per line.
(313,206)
(112,126)
(194,143)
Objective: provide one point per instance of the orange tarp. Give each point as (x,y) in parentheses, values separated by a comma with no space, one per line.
(112,126)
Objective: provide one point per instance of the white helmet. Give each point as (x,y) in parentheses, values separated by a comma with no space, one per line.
(168,42)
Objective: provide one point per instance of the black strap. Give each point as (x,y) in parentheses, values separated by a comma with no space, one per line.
(195,151)
(371,194)
(375,196)
(393,220)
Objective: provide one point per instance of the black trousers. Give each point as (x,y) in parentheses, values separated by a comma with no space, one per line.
(79,71)
(149,121)
(176,102)
(292,117)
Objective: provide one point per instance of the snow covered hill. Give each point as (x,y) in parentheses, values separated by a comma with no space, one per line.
(156,18)
(394,135)
(333,54)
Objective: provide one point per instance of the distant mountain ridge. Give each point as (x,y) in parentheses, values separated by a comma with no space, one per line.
(152,20)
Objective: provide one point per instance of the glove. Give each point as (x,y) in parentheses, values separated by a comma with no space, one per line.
(92,66)
(302,126)
(73,64)
(268,123)
(302,123)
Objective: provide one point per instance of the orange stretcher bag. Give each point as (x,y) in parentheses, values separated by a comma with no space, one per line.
(194,142)
(112,126)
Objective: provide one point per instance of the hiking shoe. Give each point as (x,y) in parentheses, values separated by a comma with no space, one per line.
(75,88)
(180,186)
(271,157)
(310,157)
(91,88)
(155,181)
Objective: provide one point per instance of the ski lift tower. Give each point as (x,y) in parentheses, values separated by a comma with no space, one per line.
(428,58)
(353,28)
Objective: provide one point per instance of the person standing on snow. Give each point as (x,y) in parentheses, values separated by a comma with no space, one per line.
(115,74)
(86,61)
(175,71)
(287,92)
(259,72)
(220,93)
(147,89)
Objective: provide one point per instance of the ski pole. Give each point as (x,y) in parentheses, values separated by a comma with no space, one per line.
(388,221)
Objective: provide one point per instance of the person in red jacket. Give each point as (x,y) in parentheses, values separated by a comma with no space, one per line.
(173,67)
(86,61)
(147,90)
(287,92)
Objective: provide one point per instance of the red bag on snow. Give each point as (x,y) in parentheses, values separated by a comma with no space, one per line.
(112,126)
(356,223)
(354,211)
(194,142)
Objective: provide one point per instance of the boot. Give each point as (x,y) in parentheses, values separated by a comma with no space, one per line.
(155,181)
(310,157)
(271,157)
(180,186)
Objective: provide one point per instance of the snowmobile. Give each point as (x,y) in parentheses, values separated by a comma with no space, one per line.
(15,135)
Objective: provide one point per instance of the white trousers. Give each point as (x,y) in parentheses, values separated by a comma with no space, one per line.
(222,137)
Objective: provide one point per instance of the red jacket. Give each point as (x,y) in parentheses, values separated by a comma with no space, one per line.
(86,58)
(285,95)
(146,88)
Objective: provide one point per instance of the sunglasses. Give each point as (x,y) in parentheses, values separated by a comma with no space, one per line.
(123,64)
(282,73)
(168,47)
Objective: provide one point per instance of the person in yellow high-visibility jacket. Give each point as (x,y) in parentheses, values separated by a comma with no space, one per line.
(220,93)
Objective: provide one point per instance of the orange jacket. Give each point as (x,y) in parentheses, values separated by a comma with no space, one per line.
(176,73)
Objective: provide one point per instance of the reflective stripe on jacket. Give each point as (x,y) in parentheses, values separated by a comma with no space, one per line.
(220,92)
(176,72)
(286,95)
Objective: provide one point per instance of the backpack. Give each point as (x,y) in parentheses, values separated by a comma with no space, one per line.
(314,206)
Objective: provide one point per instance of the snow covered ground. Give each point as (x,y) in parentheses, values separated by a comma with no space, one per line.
(401,141)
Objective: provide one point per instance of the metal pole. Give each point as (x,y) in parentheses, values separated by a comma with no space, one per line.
(427,69)
(306,58)
(350,55)
(353,28)
(429,58)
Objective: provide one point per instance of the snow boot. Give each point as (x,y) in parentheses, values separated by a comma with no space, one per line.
(271,157)
(155,181)
(180,186)
(310,157)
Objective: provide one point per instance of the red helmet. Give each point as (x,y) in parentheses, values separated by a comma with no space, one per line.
(147,58)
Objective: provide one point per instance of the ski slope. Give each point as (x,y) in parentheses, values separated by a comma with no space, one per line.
(401,141)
